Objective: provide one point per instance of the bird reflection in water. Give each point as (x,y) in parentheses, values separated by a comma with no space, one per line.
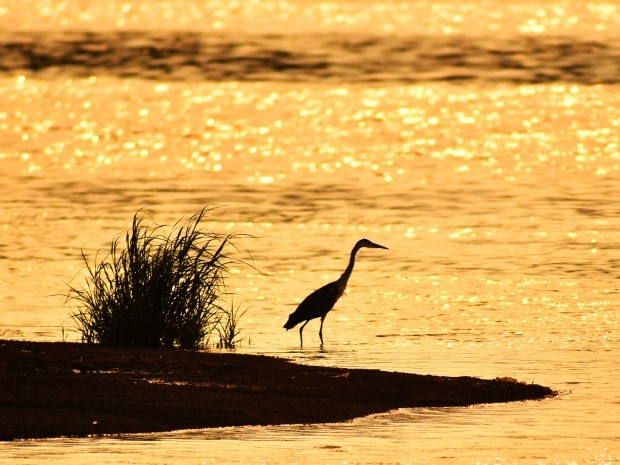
(320,302)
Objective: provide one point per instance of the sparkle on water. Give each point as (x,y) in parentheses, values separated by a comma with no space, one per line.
(499,203)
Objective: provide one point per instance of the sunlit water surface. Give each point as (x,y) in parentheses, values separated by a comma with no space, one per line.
(499,203)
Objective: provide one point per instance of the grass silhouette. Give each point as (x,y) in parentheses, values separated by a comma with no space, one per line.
(160,290)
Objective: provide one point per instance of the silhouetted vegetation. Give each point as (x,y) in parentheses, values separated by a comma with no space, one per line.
(161,290)
(227,328)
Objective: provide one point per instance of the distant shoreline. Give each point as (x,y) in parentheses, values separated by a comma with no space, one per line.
(75,390)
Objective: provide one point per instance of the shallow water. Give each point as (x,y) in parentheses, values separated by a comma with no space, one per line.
(498,199)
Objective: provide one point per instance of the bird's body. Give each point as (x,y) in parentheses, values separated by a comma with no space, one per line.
(316,305)
(320,302)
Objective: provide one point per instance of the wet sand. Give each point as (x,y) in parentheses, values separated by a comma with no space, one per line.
(77,390)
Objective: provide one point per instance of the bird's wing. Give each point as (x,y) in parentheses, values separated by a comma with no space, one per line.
(318,303)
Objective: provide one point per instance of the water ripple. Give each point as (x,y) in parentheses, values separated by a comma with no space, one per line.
(194,56)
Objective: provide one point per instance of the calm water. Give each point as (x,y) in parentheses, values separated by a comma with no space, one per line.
(488,166)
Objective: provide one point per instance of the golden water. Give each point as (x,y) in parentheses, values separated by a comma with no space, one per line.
(497,195)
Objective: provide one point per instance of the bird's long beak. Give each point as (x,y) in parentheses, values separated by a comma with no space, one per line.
(376,246)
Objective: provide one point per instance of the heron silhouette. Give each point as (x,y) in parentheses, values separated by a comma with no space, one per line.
(320,302)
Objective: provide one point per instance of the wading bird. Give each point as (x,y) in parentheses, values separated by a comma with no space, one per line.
(321,301)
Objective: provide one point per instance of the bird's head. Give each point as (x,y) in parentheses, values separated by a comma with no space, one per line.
(366,243)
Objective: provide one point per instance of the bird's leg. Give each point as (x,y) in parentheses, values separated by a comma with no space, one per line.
(321,329)
(301,338)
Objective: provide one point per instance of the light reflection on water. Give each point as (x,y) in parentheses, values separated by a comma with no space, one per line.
(499,203)
(506,268)
(477,17)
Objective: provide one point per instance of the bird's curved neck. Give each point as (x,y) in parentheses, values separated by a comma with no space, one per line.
(344,278)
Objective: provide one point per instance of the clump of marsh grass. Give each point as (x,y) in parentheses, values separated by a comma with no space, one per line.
(227,328)
(160,290)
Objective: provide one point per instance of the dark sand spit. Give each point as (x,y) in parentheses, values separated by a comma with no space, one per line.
(77,390)
(188,56)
